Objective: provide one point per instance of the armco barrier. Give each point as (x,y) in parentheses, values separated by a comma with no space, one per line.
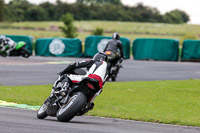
(27,39)
(190,50)
(58,47)
(155,49)
(94,44)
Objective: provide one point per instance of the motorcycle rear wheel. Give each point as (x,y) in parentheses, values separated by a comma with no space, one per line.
(74,105)
(114,77)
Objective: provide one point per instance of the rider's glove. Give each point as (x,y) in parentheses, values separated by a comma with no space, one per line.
(61,73)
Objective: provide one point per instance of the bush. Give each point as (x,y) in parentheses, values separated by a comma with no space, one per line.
(1,9)
(98,31)
(68,29)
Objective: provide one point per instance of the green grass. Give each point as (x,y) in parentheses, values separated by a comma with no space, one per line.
(112,26)
(130,30)
(31,95)
(174,102)
(81,36)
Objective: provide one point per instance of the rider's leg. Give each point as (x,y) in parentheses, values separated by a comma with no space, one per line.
(8,51)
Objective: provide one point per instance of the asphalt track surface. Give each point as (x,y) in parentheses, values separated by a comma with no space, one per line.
(43,70)
(13,120)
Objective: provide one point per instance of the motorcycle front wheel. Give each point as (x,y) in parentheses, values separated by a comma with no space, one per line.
(25,53)
(42,112)
(75,104)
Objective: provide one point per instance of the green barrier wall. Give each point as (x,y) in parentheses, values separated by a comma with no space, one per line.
(58,47)
(190,50)
(93,44)
(155,49)
(27,39)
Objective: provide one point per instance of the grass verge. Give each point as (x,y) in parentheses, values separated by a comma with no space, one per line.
(174,102)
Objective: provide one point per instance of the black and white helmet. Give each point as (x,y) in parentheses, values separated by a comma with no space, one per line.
(2,38)
(100,57)
(115,36)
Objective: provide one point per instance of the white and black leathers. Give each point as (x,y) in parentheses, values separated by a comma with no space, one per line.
(7,42)
(95,69)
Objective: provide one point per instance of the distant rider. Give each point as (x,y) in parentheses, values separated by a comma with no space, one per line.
(115,46)
(6,44)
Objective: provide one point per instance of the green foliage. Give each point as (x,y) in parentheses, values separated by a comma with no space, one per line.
(116,2)
(16,10)
(1,10)
(49,10)
(112,10)
(98,31)
(143,13)
(36,13)
(176,17)
(68,29)
(172,102)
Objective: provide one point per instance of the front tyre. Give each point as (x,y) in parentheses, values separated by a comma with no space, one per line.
(75,104)
(25,53)
(42,112)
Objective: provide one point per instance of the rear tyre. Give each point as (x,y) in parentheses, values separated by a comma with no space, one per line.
(4,55)
(42,112)
(75,104)
(114,77)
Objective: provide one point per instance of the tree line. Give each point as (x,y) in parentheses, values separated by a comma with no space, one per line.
(111,10)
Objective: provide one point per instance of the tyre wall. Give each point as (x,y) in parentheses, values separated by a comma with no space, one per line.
(155,49)
(58,47)
(190,50)
(94,44)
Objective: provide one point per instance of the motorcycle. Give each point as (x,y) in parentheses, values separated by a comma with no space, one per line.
(113,66)
(74,101)
(19,50)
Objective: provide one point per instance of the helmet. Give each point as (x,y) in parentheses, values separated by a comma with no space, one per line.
(115,36)
(100,57)
(2,38)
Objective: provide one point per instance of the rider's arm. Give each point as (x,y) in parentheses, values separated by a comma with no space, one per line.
(105,48)
(121,49)
(70,67)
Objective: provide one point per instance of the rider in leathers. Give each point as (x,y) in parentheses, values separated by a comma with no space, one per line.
(96,69)
(7,44)
(115,46)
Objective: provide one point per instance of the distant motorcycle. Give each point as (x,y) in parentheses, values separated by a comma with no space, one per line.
(75,101)
(19,50)
(113,67)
